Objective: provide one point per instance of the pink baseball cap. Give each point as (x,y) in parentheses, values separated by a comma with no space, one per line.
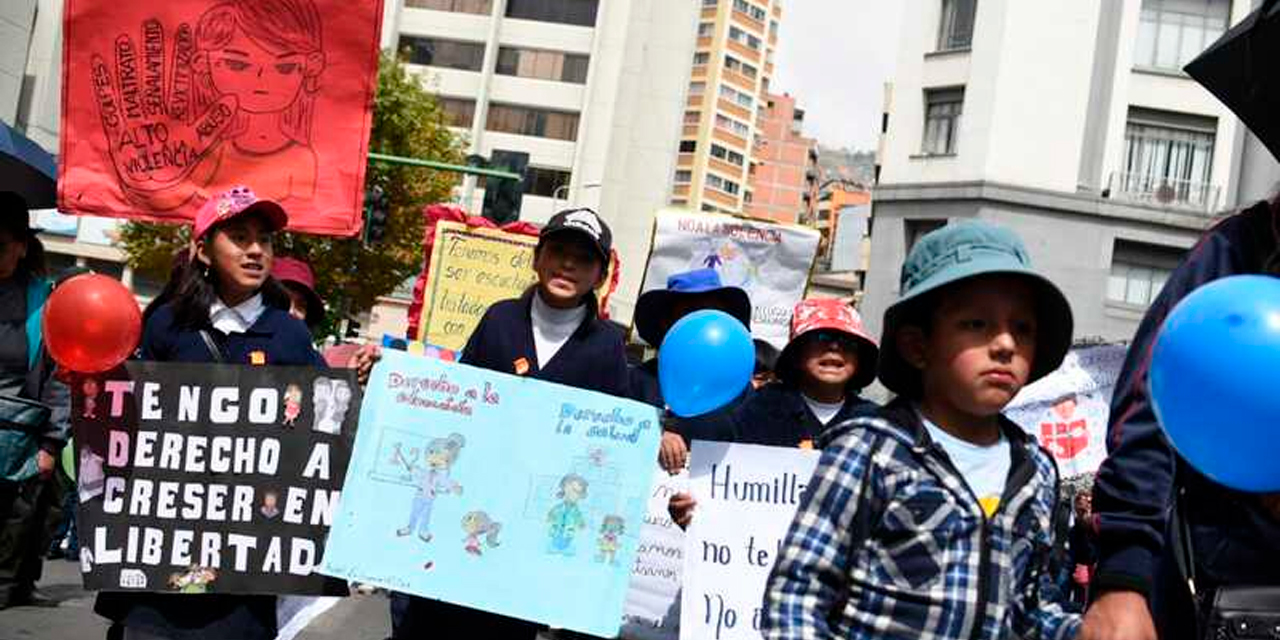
(830,314)
(236,201)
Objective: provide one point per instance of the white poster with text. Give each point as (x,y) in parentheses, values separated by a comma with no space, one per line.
(747,496)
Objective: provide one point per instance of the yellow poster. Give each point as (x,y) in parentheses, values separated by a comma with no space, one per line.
(470,269)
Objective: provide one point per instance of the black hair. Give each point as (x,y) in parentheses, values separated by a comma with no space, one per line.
(766,357)
(33,264)
(196,292)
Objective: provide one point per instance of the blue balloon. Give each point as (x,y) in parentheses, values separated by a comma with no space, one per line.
(1213,381)
(705,361)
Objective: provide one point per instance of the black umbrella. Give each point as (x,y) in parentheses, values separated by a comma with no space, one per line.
(27,169)
(1240,70)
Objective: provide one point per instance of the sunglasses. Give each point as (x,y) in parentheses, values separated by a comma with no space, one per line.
(843,340)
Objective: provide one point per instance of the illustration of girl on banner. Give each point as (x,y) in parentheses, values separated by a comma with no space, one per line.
(566,517)
(239,101)
(269,55)
(432,480)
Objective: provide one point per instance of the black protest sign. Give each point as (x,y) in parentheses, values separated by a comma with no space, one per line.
(200,478)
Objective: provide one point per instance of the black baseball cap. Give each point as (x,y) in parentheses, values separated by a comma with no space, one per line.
(584,222)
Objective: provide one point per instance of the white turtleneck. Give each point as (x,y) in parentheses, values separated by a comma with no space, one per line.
(552,327)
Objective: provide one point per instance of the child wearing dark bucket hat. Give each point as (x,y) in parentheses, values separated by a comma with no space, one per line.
(939,467)
(657,311)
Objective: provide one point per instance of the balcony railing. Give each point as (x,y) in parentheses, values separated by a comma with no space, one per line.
(1158,191)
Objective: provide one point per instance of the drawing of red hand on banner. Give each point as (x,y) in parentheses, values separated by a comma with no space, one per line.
(159,148)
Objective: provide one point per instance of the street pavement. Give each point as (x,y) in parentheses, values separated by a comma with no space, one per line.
(359,617)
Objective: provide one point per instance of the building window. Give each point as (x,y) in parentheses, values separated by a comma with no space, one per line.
(709,3)
(1172,32)
(955,30)
(942,120)
(728,186)
(451,54)
(458,112)
(773,29)
(692,117)
(456,6)
(701,57)
(729,124)
(744,38)
(706,29)
(576,12)
(738,66)
(1139,271)
(688,146)
(742,6)
(697,88)
(917,229)
(531,121)
(543,65)
(1168,158)
(732,157)
(684,176)
(544,182)
(733,95)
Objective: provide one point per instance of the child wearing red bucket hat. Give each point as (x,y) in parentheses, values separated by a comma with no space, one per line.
(300,283)
(828,360)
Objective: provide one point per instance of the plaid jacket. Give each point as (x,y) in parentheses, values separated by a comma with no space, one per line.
(889,542)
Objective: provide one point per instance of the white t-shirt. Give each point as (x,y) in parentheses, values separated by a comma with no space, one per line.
(235,319)
(823,411)
(552,327)
(984,468)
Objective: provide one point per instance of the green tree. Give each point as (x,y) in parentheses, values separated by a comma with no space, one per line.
(407,121)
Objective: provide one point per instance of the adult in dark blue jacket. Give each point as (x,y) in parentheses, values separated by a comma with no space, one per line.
(1235,536)
(554,333)
(226,309)
(657,311)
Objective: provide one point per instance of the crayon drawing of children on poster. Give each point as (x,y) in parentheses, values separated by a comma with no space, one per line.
(432,479)
(566,519)
(231,101)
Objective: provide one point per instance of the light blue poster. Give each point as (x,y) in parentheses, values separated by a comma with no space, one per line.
(496,492)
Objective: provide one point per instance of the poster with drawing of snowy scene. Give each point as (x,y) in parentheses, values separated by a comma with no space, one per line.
(506,494)
(770,261)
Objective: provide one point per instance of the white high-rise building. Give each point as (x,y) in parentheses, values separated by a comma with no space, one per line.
(592,91)
(1073,124)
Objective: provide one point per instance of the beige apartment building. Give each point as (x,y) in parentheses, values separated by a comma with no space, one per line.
(732,67)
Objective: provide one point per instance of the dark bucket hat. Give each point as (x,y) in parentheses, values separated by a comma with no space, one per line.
(957,252)
(654,305)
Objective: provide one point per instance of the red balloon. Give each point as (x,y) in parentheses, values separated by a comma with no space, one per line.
(91,323)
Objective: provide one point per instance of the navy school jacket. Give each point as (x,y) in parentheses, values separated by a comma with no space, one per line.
(594,357)
(276,338)
(777,416)
(1233,538)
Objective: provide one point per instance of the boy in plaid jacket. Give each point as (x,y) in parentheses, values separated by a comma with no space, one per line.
(932,518)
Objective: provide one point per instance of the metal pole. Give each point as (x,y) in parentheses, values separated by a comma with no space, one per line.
(444,166)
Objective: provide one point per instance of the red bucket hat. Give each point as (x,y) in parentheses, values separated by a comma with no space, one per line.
(829,314)
(292,271)
(233,202)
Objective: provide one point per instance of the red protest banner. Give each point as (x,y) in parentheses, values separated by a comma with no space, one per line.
(167,103)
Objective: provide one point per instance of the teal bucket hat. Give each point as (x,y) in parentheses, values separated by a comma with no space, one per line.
(960,251)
